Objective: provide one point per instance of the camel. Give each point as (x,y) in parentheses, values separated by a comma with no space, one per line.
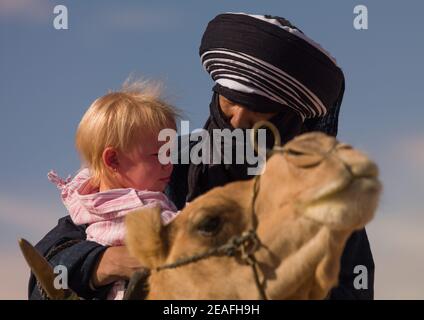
(295,219)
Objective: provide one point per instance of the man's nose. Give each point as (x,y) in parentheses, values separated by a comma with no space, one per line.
(239,118)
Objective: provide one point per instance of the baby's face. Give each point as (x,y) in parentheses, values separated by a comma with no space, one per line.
(141,168)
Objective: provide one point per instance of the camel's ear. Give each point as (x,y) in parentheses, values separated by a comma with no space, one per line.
(145,236)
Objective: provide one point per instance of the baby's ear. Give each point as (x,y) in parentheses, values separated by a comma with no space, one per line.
(146,237)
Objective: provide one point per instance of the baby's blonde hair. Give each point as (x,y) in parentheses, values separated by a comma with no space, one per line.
(119,119)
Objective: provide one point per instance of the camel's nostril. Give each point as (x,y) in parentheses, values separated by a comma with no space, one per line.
(366,169)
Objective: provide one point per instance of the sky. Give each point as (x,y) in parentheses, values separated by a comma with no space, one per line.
(49,77)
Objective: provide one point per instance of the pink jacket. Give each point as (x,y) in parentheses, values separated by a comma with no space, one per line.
(104,212)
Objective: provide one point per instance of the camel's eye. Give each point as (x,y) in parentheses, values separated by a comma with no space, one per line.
(209,226)
(303,158)
(295,153)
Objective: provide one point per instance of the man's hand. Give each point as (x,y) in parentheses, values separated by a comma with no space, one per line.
(115,264)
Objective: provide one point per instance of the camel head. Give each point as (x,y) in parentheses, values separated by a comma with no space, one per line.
(314,192)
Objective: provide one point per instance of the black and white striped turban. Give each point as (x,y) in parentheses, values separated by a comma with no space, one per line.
(266,63)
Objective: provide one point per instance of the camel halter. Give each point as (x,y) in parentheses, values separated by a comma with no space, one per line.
(246,244)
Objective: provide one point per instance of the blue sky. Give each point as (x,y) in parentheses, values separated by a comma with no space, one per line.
(49,77)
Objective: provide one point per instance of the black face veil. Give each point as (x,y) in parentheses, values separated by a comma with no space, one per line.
(267,65)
